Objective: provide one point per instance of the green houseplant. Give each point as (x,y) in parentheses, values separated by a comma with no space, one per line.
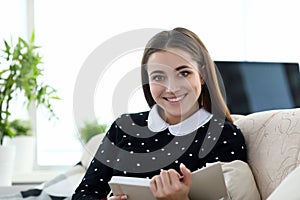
(20,74)
(20,127)
(90,129)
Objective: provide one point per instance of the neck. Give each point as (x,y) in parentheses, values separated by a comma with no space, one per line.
(172,120)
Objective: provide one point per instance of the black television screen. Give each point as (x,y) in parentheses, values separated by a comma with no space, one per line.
(259,86)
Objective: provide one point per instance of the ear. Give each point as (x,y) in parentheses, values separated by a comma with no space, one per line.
(202,80)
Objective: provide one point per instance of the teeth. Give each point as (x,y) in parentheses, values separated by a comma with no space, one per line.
(176,99)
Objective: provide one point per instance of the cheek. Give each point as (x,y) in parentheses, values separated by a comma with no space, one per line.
(196,88)
(156,90)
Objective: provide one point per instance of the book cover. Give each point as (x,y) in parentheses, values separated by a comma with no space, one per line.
(207,183)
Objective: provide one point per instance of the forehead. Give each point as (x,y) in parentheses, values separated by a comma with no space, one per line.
(171,59)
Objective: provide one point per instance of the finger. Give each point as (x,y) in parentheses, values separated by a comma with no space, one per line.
(158,182)
(174,176)
(187,175)
(165,179)
(153,185)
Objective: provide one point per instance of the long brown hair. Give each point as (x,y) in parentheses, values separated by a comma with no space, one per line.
(211,98)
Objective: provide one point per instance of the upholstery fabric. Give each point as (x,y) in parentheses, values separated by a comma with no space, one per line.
(239,181)
(289,188)
(273,143)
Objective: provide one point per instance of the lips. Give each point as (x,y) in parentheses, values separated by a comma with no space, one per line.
(175,99)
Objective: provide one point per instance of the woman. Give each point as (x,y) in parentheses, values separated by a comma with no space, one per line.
(187,126)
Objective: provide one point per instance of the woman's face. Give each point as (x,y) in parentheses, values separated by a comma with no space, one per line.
(175,84)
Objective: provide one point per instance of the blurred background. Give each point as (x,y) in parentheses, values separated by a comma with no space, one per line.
(255,43)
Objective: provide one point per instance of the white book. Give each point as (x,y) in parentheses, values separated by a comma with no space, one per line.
(207,184)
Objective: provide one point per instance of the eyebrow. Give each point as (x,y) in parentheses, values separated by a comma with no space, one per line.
(157,72)
(182,67)
(176,69)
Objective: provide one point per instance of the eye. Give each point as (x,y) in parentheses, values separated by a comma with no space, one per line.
(183,74)
(158,78)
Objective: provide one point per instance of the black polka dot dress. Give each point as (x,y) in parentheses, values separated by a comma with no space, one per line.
(130,148)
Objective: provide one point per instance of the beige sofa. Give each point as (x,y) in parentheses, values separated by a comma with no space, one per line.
(273,142)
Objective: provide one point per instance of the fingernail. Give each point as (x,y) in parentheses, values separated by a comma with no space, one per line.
(124,197)
(181,165)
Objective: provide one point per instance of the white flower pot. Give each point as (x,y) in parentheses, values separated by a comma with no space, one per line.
(7,158)
(25,153)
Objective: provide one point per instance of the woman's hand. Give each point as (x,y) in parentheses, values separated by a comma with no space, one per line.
(169,186)
(119,197)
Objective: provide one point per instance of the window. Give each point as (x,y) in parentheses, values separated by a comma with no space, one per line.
(13,26)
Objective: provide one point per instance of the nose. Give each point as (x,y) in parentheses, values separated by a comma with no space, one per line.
(173,85)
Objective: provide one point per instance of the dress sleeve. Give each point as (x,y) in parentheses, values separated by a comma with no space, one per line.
(94,184)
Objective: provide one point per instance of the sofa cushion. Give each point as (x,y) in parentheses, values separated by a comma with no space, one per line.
(239,181)
(273,143)
(289,188)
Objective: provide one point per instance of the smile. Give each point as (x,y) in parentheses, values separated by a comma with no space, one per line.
(176,99)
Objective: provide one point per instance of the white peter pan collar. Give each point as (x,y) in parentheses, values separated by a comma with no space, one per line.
(192,123)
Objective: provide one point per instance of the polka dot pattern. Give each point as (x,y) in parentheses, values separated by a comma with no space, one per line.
(229,146)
